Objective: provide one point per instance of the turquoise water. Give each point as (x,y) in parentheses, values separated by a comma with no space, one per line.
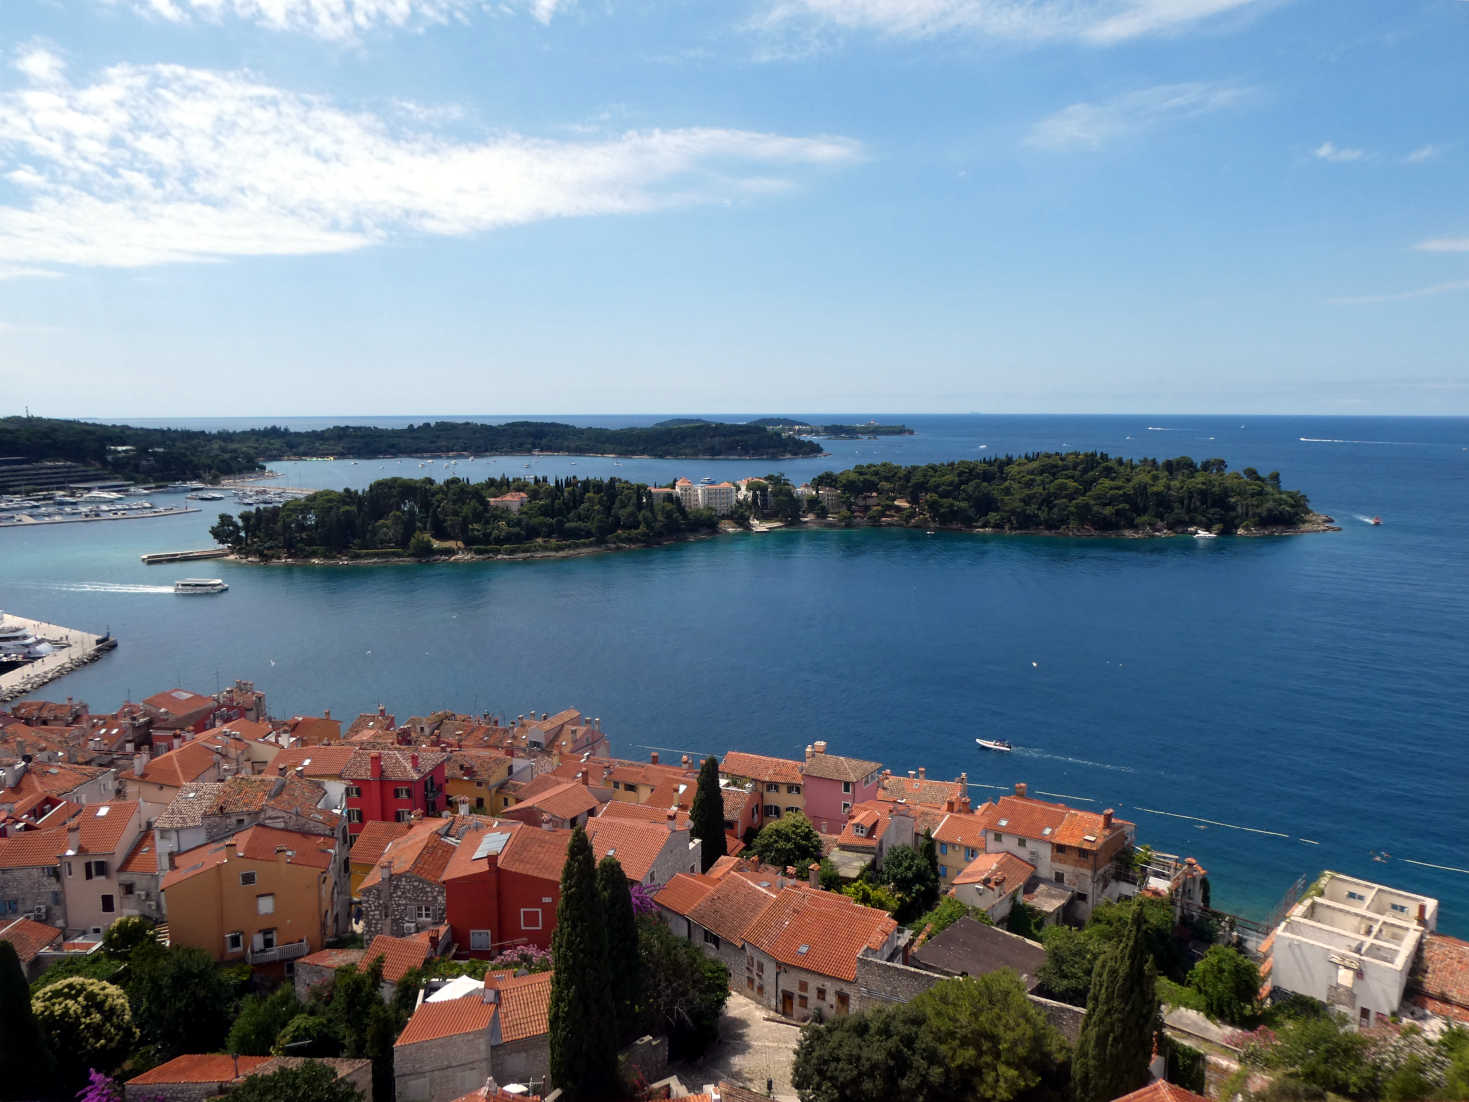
(1305,696)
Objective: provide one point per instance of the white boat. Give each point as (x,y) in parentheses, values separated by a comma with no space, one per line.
(1204,534)
(999,744)
(199,585)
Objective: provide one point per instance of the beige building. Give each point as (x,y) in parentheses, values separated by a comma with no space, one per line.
(98,840)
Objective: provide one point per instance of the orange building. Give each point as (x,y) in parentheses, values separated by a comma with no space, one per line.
(263,895)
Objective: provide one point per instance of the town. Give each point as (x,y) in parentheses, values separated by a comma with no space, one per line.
(235,902)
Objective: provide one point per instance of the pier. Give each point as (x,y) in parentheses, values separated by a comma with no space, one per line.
(184,556)
(76,649)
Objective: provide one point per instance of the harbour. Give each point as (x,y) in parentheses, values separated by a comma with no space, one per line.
(153,558)
(71,650)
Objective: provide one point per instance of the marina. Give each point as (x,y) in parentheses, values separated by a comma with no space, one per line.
(76,515)
(66,649)
(153,558)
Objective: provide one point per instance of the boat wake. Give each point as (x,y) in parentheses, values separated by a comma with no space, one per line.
(1213,822)
(1363,518)
(1074,761)
(103,587)
(1380,443)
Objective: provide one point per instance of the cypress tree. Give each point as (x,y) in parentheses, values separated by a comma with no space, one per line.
(583,1036)
(25,1061)
(623,957)
(706,819)
(1116,1042)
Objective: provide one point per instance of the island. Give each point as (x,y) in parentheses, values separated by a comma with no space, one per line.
(160,455)
(868,429)
(1082,494)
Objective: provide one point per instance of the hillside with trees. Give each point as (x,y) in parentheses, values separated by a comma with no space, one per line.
(402,516)
(1072,492)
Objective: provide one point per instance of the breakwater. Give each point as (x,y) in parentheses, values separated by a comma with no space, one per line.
(74,650)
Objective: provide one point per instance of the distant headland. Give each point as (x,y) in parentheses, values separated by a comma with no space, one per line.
(1079,494)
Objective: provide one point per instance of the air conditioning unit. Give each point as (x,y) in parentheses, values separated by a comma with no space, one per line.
(39,914)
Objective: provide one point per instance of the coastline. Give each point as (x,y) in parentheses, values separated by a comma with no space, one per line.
(1317,522)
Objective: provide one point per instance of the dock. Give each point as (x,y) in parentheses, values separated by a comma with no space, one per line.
(77,648)
(184,556)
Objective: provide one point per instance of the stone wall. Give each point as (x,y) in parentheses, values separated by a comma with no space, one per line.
(524,1061)
(391,906)
(1063,1016)
(441,1070)
(649,1055)
(173,1092)
(30,888)
(884,982)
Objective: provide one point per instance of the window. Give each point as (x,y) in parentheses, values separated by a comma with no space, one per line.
(354,815)
(711,939)
(403,815)
(402,792)
(530,918)
(95,868)
(354,790)
(68,868)
(263,939)
(1400,908)
(127,889)
(234,941)
(944,848)
(801,1000)
(479,939)
(1060,879)
(846,809)
(944,870)
(107,905)
(821,993)
(265,904)
(801,986)
(247,879)
(970,853)
(9,906)
(424,913)
(793,790)
(999,837)
(1060,849)
(479,803)
(772,812)
(771,787)
(846,788)
(1356,895)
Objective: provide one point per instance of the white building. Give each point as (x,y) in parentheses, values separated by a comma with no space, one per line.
(1351,944)
(719,496)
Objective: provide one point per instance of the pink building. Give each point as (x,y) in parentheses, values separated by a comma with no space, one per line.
(834,785)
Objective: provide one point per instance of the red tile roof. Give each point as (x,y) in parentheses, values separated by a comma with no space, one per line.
(564,801)
(28,936)
(635,845)
(212,1068)
(1160,1090)
(397,765)
(400,955)
(920,790)
(959,829)
(314,761)
(450,1018)
(314,730)
(32,849)
(257,843)
(423,854)
(731,908)
(145,857)
(525,1005)
(334,958)
(643,813)
(536,852)
(820,932)
(182,766)
(834,767)
(683,893)
(1442,974)
(997,870)
(374,838)
(104,825)
(758,767)
(179,702)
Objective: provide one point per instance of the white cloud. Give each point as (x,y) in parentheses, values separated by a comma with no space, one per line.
(1444,245)
(1328,151)
(39,64)
(1090,126)
(161,163)
(339,20)
(1423,153)
(1099,21)
(1399,296)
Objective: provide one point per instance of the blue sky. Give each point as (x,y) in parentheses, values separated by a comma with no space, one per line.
(215,207)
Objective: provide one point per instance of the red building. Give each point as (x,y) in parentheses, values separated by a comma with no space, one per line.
(390,785)
(502,885)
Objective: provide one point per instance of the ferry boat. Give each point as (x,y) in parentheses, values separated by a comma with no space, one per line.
(199,585)
(1002,745)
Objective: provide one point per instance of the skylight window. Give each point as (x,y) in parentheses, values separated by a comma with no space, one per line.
(804,949)
(1004,822)
(1046,832)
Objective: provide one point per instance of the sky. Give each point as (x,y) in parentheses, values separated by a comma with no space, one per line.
(358,207)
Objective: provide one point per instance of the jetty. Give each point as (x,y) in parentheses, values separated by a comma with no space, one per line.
(184,556)
(74,650)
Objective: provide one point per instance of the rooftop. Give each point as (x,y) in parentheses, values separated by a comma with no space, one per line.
(28,936)
(636,845)
(194,1068)
(972,948)
(758,767)
(257,843)
(833,767)
(397,765)
(1360,919)
(400,955)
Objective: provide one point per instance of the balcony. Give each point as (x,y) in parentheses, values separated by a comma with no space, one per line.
(289,950)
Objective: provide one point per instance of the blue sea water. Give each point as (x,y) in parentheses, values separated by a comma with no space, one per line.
(1272,707)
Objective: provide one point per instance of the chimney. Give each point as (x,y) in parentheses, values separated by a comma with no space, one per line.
(375,765)
(809,751)
(326,713)
(489,995)
(912,774)
(386,869)
(382,710)
(964,781)
(653,757)
(1423,914)
(814,874)
(685,761)
(964,807)
(1107,819)
(546,822)
(74,838)
(672,819)
(413,757)
(791,871)
(820,746)
(923,773)
(1020,788)
(464,805)
(951,805)
(417,814)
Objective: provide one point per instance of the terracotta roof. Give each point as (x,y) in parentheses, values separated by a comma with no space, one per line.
(758,767)
(257,843)
(450,1018)
(959,829)
(485,1094)
(32,849)
(1025,816)
(636,845)
(423,854)
(314,761)
(643,813)
(731,908)
(189,807)
(55,778)
(179,702)
(1160,1090)
(1442,972)
(1078,824)
(833,767)
(397,765)
(525,1004)
(334,958)
(212,1068)
(182,766)
(104,825)
(683,893)
(314,730)
(547,781)
(145,857)
(28,936)
(819,931)
(248,729)
(564,801)
(996,870)
(374,838)
(399,955)
(536,852)
(736,802)
(920,790)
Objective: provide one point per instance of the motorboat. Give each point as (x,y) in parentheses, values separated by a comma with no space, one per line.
(1002,745)
(195,586)
(1204,534)
(1375,520)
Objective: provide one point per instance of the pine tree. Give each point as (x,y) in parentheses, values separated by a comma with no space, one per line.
(706,819)
(582,1026)
(25,1061)
(623,958)
(1116,1042)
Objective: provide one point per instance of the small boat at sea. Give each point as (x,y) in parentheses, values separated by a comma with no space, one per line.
(197,586)
(1002,745)
(1204,534)
(1375,520)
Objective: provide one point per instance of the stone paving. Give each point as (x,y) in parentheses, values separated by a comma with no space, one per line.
(754,1046)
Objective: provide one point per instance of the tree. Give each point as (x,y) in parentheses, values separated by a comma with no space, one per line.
(261,1020)
(583,1039)
(181,1001)
(1116,1042)
(1323,1052)
(706,817)
(307,1035)
(1026,921)
(1229,982)
(626,966)
(25,1061)
(1071,959)
(915,881)
(383,1027)
(308,1082)
(790,840)
(126,934)
(684,990)
(873,1056)
(88,1020)
(949,910)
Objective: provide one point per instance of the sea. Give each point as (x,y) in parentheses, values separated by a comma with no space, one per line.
(1271,707)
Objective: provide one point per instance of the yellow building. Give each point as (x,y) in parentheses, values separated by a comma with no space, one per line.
(479,777)
(264,896)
